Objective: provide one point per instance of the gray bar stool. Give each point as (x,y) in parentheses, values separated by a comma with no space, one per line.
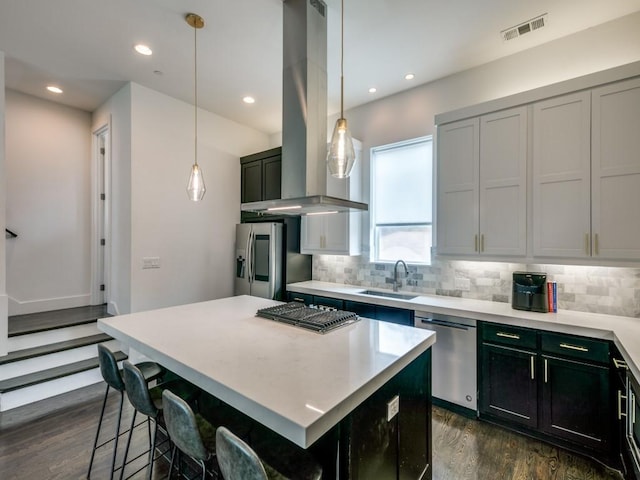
(149,402)
(238,461)
(112,377)
(190,433)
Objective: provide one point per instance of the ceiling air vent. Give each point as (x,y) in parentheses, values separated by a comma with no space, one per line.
(526,27)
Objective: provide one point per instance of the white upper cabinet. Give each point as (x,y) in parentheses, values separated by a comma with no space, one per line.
(561,176)
(482,197)
(615,171)
(338,233)
(458,187)
(503,183)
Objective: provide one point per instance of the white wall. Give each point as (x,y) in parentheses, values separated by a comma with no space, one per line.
(152,153)
(4,343)
(116,115)
(48,204)
(410,114)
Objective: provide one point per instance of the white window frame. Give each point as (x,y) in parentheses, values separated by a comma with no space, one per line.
(373,250)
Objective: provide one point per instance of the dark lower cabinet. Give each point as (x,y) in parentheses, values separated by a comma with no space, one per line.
(552,386)
(575,402)
(381,312)
(400,448)
(509,384)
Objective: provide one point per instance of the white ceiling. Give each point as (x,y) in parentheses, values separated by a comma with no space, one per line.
(85,46)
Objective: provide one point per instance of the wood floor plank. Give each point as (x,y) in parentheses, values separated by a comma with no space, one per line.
(53,439)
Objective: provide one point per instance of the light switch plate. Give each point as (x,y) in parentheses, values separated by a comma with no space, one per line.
(150,262)
(393,407)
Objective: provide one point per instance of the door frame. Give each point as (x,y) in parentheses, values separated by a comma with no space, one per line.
(101,216)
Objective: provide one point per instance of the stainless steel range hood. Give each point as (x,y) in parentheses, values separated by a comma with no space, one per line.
(304,116)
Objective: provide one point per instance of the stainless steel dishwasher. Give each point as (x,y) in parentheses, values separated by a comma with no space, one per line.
(453,359)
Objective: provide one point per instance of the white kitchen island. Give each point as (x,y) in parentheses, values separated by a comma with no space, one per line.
(298,383)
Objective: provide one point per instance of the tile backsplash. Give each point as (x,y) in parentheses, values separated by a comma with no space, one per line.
(609,290)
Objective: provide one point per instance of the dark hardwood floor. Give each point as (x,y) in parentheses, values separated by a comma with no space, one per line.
(52,439)
(466,449)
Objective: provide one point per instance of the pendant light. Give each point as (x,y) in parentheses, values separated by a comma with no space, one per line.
(195,187)
(341,155)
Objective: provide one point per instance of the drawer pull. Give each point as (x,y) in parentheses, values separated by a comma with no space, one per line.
(546,371)
(620,398)
(573,347)
(508,335)
(620,363)
(533,371)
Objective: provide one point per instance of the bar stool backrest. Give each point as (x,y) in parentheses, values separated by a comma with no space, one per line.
(138,390)
(236,459)
(109,368)
(182,426)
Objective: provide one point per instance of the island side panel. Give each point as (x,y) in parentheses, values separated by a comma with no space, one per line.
(399,449)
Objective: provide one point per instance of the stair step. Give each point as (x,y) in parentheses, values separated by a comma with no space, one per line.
(53,348)
(16,383)
(44,321)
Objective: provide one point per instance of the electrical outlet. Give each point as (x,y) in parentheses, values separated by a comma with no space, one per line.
(463,284)
(393,407)
(150,262)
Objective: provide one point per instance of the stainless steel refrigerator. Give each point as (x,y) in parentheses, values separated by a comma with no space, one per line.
(259,259)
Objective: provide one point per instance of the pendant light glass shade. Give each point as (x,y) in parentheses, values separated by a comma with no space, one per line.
(342,155)
(195,187)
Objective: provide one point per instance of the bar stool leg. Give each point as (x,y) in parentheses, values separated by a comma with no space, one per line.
(152,451)
(95,442)
(173,456)
(126,450)
(115,441)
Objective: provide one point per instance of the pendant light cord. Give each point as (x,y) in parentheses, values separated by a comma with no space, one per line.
(195,82)
(342,60)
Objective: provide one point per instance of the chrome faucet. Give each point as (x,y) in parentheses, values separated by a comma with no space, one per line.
(396,283)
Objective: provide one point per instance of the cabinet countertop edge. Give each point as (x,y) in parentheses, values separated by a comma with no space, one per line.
(623,331)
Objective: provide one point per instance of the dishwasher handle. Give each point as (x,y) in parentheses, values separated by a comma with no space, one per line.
(444,323)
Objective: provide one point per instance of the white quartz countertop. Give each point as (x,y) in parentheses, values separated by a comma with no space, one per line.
(623,331)
(297,382)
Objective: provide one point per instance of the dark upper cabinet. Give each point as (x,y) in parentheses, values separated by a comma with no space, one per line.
(260,176)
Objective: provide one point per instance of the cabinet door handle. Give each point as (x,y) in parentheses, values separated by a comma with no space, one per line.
(508,335)
(633,408)
(596,245)
(620,397)
(533,371)
(482,242)
(573,347)
(620,363)
(546,371)
(475,243)
(586,243)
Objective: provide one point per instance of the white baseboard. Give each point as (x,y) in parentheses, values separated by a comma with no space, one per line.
(17,307)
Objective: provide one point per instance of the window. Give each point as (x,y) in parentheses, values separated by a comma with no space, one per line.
(401,201)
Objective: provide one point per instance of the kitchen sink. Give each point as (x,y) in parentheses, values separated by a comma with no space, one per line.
(401,296)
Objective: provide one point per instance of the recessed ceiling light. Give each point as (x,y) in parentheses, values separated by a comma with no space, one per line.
(143,49)
(373,90)
(409,76)
(54,89)
(249,99)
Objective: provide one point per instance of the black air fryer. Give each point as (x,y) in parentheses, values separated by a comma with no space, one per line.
(530,291)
